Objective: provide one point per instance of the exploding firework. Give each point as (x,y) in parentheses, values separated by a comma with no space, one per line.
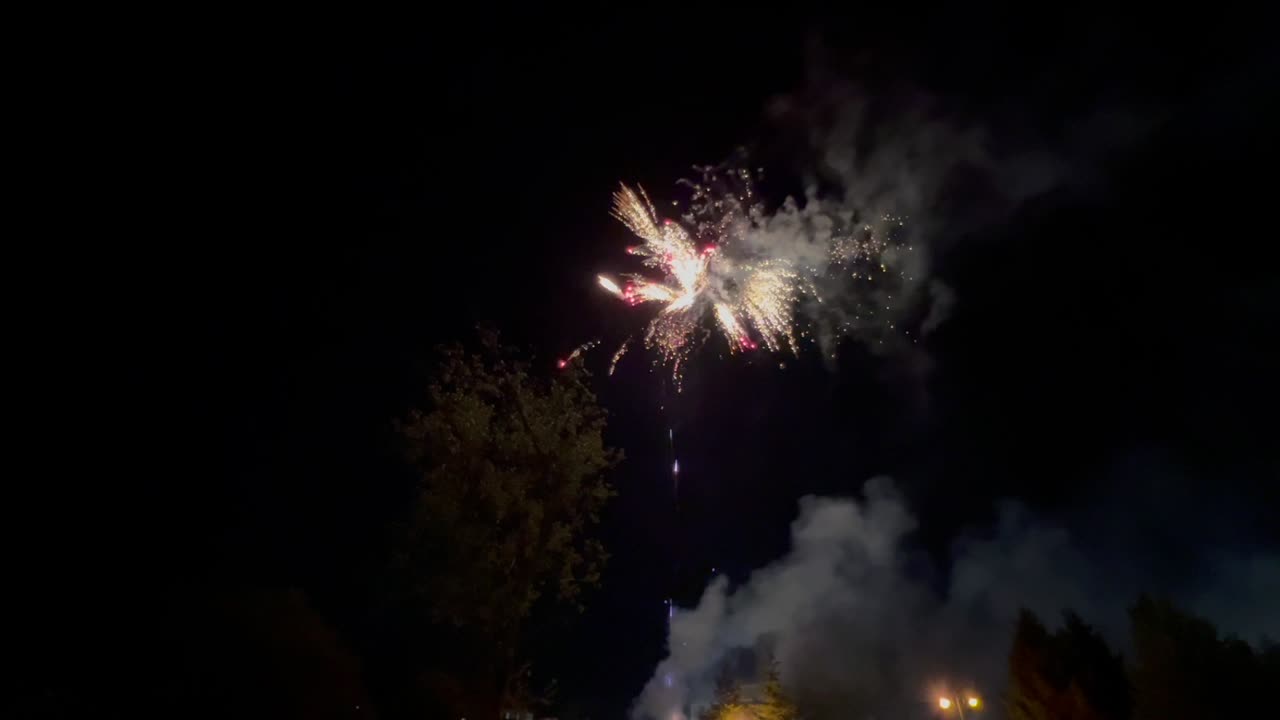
(747,298)
(722,266)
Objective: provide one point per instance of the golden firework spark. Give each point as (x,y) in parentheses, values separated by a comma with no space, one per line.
(721,265)
(743,298)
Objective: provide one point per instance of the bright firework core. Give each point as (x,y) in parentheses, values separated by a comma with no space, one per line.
(724,266)
(744,298)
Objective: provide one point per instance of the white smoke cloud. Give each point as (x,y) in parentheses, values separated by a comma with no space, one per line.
(913,168)
(863,626)
(918,180)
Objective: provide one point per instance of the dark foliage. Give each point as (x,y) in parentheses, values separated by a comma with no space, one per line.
(512,483)
(1066,675)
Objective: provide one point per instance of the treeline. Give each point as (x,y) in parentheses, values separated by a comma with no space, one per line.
(494,540)
(1181,668)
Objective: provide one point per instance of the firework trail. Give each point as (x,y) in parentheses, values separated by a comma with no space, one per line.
(725,267)
(617,355)
(563,362)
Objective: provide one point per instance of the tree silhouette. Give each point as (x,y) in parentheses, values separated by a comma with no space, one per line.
(731,704)
(512,481)
(728,703)
(777,705)
(1183,669)
(1067,675)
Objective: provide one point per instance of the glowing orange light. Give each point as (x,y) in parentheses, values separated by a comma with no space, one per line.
(944,703)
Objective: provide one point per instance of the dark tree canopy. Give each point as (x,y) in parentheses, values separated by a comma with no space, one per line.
(771,702)
(728,703)
(778,704)
(253,653)
(1066,675)
(512,469)
(1182,669)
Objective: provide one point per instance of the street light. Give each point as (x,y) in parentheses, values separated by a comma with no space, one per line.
(972,701)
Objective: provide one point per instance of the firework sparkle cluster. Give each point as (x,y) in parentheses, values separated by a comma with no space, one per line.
(713,269)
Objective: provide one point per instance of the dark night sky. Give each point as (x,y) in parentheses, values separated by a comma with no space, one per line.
(326,205)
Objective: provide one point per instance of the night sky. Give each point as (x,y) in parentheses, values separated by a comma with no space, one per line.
(317,207)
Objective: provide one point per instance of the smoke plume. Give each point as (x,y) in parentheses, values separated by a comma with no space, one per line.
(862,625)
(885,192)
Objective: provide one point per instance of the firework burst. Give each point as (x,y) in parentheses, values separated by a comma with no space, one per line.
(750,300)
(723,267)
